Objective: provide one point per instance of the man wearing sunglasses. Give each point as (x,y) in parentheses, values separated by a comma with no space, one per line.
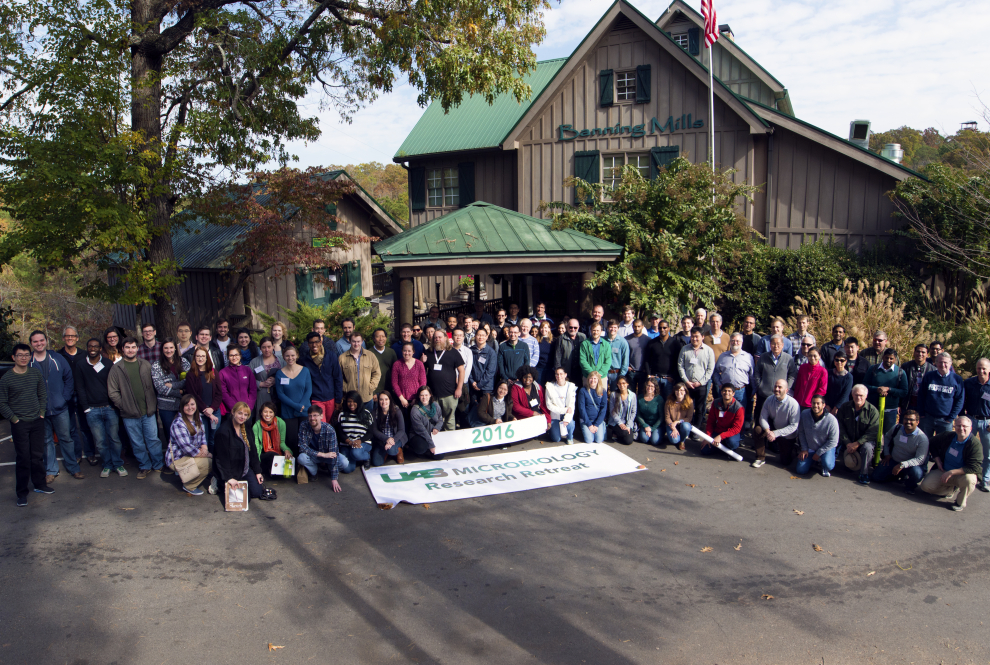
(565,350)
(660,359)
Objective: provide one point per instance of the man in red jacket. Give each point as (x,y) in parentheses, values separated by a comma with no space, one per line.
(725,422)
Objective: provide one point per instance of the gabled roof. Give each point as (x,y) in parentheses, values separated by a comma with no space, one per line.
(732,47)
(459,129)
(199,245)
(837,143)
(484,231)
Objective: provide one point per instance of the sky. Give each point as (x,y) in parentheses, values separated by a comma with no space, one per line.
(895,63)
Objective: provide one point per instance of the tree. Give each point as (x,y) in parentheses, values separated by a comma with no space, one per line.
(271,207)
(676,238)
(116,112)
(387,183)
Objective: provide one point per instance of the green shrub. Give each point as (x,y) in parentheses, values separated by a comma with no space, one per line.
(300,321)
(747,286)
(8,338)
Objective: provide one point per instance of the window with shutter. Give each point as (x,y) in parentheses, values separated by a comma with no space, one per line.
(694,41)
(465,174)
(417,189)
(642,84)
(605,87)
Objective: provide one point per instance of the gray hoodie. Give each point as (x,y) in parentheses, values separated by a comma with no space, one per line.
(818,437)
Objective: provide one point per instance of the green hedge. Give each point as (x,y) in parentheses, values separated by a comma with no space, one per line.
(766,282)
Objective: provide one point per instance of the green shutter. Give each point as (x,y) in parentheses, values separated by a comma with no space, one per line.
(694,41)
(304,287)
(662,158)
(586,167)
(353,273)
(642,84)
(606,87)
(417,189)
(465,183)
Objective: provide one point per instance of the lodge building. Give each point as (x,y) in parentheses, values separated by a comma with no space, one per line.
(635,91)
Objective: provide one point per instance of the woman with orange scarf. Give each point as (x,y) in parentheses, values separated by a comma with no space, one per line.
(269,438)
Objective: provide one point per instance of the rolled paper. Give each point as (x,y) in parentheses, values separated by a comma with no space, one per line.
(704,437)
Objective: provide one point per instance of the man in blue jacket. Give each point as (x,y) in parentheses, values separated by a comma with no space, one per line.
(324,370)
(513,355)
(940,398)
(59,385)
(484,365)
(977,391)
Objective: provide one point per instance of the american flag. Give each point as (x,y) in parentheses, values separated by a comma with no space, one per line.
(711,23)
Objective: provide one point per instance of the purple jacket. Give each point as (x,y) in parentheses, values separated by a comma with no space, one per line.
(237,384)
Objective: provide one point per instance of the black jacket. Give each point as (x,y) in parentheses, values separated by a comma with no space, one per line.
(215,355)
(229,452)
(378,438)
(91,387)
(660,358)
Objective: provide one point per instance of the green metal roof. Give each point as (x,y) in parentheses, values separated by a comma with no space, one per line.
(204,246)
(482,230)
(460,129)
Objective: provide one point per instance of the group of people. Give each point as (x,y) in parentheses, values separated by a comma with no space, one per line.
(229,406)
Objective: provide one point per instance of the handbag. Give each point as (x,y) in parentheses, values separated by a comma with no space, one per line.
(187,468)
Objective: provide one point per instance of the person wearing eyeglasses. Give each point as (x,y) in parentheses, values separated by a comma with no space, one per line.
(660,359)
(78,427)
(874,354)
(566,350)
(23,400)
(802,348)
(840,383)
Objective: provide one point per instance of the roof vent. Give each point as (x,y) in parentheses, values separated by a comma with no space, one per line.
(859,133)
(623,22)
(727,31)
(971,125)
(893,152)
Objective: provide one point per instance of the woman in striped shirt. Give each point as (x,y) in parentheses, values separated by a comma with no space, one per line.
(353,423)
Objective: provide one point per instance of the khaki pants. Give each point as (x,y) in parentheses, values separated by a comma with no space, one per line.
(203,464)
(448,405)
(965,483)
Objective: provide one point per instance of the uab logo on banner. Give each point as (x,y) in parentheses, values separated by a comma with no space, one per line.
(406,476)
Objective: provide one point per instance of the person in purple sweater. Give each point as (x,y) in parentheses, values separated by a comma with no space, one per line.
(237,382)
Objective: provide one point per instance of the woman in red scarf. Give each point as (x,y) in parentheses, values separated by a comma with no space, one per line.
(269,438)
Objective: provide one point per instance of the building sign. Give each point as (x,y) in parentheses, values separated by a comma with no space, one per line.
(685,122)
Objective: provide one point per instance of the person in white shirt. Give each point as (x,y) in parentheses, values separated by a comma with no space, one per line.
(525,325)
(464,402)
(561,395)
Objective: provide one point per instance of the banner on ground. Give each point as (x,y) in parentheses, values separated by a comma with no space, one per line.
(468,477)
(490,435)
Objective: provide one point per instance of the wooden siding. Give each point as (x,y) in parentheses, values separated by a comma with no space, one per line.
(818,192)
(544,162)
(738,77)
(494,182)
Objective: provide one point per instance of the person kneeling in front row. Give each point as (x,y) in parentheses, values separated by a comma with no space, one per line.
(818,436)
(235,458)
(725,422)
(905,453)
(269,438)
(187,438)
(317,446)
(958,463)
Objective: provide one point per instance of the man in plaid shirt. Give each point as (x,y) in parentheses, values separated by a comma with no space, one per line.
(317,445)
(150,349)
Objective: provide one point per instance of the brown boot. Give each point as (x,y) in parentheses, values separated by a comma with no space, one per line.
(399,457)
(302,477)
(49,480)
(78,475)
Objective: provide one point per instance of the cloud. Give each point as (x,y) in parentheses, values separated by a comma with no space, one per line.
(894,62)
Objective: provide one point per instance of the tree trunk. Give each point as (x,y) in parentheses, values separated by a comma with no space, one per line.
(146,92)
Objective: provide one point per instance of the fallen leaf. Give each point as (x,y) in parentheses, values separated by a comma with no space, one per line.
(426,505)
(902,567)
(127,509)
(690,484)
(737,547)
(705,549)
(766,596)
(872,572)
(799,512)
(641,466)
(794,477)
(817,548)
(272,647)
(662,470)
(675,463)
(648,459)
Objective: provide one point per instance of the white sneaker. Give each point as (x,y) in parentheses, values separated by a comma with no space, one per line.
(756,464)
(213,486)
(570,442)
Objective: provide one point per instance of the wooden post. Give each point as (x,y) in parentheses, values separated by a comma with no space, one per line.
(586,294)
(404,310)
(477,288)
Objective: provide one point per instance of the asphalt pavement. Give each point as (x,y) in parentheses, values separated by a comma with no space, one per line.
(614,571)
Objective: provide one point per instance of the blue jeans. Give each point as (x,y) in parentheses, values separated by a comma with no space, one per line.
(147,448)
(982,428)
(827,462)
(104,425)
(353,456)
(310,463)
(60,425)
(675,436)
(666,386)
(167,418)
(653,438)
(555,430)
(597,437)
(731,442)
(911,475)
(931,426)
(79,431)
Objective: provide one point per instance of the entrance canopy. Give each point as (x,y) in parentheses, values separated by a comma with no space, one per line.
(482,238)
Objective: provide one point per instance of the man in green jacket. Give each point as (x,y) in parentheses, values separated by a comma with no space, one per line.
(958,463)
(596,353)
(859,425)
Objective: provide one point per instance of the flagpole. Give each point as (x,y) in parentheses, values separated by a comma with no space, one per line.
(711,113)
